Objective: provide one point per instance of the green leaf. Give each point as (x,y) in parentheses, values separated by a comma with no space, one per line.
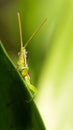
(15,112)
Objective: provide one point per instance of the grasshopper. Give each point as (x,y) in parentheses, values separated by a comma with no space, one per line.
(22,65)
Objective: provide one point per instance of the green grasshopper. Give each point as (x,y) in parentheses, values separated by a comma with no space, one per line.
(22,61)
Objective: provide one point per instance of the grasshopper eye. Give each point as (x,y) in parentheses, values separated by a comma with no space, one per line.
(18,53)
(26,53)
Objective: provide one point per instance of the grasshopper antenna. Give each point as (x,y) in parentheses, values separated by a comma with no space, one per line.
(20,29)
(37,29)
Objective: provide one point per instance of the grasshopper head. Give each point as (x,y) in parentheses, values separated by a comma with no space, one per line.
(22,59)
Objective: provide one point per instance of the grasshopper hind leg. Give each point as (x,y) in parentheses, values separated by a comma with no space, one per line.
(31,89)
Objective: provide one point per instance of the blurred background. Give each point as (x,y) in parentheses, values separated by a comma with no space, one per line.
(50,53)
